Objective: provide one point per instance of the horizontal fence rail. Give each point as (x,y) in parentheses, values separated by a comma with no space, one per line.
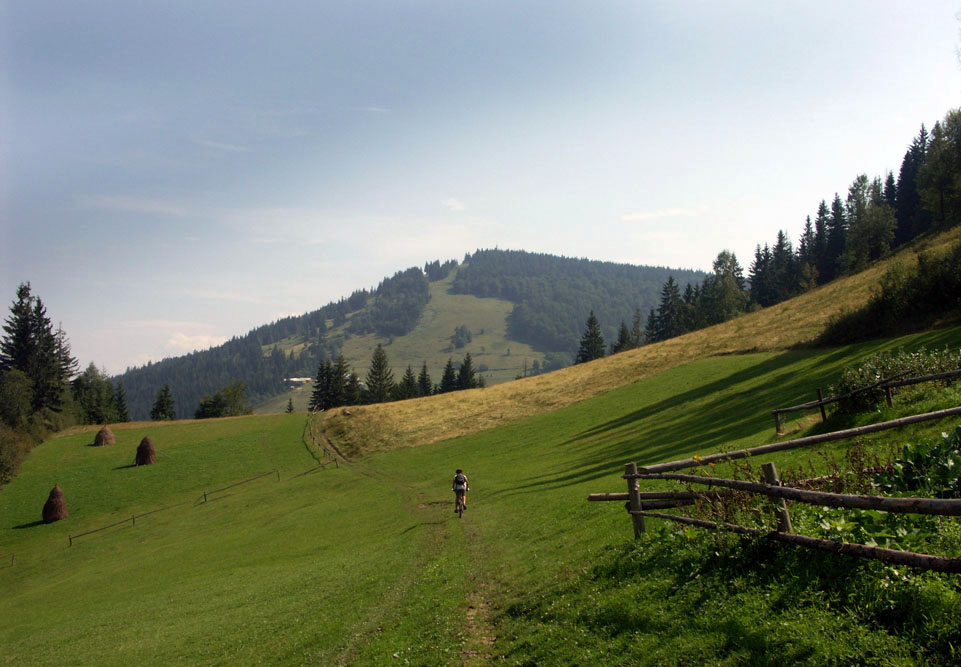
(799,442)
(246,481)
(887,384)
(639,503)
(132,520)
(936,506)
(909,558)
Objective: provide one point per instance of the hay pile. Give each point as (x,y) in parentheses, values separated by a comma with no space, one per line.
(104,437)
(145,452)
(56,507)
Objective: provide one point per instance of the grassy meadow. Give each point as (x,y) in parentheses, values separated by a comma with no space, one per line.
(367,564)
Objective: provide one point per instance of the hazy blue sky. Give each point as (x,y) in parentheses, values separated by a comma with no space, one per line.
(176,173)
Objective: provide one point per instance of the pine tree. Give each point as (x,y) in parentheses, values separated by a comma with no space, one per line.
(939,178)
(837,238)
(407,388)
(465,375)
(669,320)
(911,216)
(448,381)
(424,385)
(120,403)
(380,378)
(163,406)
(592,342)
(822,261)
(18,346)
(290,406)
(320,395)
(623,342)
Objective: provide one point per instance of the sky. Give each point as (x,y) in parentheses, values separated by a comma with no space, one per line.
(176,173)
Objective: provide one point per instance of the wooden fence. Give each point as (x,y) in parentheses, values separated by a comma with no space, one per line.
(886,384)
(639,503)
(319,443)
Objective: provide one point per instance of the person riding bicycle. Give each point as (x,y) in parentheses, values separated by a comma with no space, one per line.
(460,488)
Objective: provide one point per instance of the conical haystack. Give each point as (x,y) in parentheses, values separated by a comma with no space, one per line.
(104,437)
(56,507)
(145,452)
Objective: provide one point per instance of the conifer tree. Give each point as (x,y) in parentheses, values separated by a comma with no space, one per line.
(380,378)
(592,342)
(623,341)
(448,381)
(424,385)
(163,406)
(465,375)
(290,406)
(120,403)
(837,237)
(669,312)
(407,388)
(320,395)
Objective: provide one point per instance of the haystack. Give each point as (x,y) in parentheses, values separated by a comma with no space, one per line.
(104,437)
(145,452)
(56,507)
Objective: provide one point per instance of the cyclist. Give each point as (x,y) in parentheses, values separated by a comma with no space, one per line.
(460,488)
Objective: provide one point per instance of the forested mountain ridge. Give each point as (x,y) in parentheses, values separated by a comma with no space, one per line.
(553,295)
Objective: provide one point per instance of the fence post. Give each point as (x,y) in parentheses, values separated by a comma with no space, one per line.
(133,520)
(634,500)
(777,422)
(278,474)
(71,539)
(887,396)
(780,507)
(824,415)
(205,496)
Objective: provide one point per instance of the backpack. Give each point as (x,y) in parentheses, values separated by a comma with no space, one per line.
(460,481)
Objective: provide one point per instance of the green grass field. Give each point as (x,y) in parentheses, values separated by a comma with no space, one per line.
(367,564)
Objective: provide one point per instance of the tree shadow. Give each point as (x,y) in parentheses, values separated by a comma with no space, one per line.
(129,465)
(32,524)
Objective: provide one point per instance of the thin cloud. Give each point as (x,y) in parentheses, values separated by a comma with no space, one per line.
(454,204)
(233,148)
(377,110)
(128,204)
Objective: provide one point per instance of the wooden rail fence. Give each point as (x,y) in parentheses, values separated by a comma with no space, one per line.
(639,503)
(887,384)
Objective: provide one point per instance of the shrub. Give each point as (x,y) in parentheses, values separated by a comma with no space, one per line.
(14,447)
(887,365)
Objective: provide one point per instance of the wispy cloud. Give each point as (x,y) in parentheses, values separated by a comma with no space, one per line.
(664,213)
(129,204)
(182,343)
(454,204)
(233,148)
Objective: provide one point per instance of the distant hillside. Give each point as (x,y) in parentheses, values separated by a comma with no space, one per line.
(520,312)
(553,295)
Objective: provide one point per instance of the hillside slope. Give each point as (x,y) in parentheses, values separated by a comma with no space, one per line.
(786,325)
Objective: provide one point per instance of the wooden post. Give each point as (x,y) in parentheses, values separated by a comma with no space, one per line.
(780,506)
(278,475)
(824,415)
(887,396)
(634,500)
(205,496)
(777,422)
(133,520)
(71,539)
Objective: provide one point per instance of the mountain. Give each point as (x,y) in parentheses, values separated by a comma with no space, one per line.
(517,313)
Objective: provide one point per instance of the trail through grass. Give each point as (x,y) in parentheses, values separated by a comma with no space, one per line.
(367,563)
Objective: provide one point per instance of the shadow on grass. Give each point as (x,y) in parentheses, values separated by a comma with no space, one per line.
(130,465)
(32,524)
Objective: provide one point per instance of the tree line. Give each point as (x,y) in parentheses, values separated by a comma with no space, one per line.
(876,216)
(551,294)
(336,383)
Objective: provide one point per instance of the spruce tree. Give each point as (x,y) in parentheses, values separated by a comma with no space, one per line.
(637,330)
(669,311)
(448,381)
(163,406)
(465,375)
(290,406)
(320,395)
(120,403)
(623,341)
(424,385)
(592,342)
(380,378)
(407,388)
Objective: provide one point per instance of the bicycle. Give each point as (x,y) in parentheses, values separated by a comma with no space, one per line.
(460,505)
